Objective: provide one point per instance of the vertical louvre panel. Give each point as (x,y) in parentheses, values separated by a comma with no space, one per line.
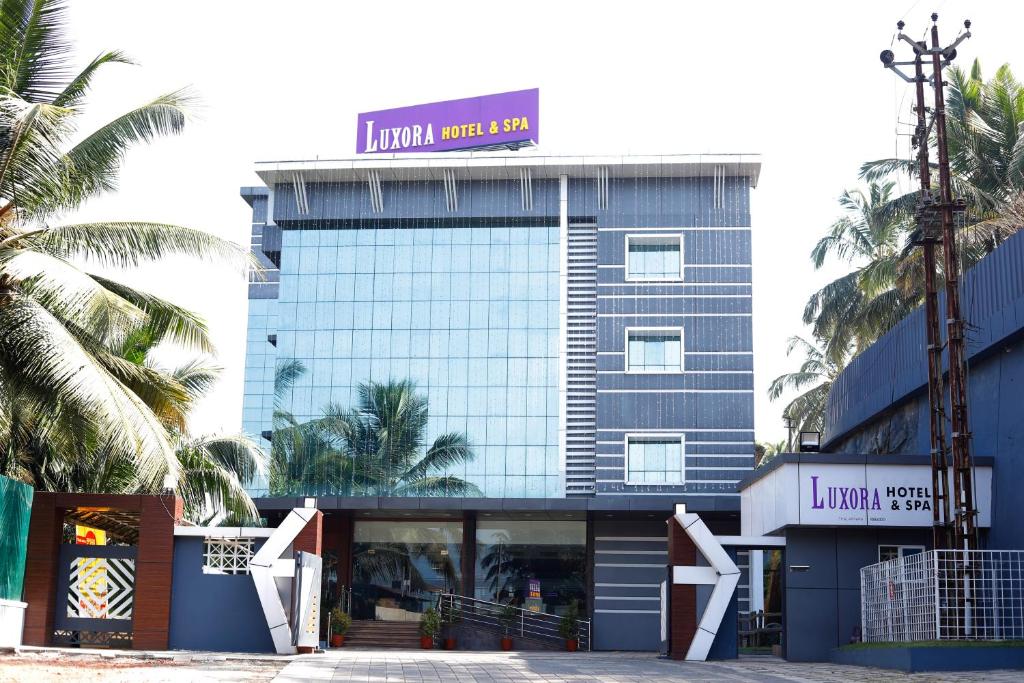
(581,360)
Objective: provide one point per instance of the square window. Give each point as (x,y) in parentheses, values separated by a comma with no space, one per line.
(655,350)
(655,459)
(654,257)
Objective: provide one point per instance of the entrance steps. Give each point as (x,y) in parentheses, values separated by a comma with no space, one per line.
(397,634)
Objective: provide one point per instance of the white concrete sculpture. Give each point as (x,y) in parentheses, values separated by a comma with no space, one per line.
(267,564)
(723,574)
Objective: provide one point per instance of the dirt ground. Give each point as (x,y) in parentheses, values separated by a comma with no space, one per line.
(59,666)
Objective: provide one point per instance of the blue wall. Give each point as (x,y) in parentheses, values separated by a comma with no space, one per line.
(212,611)
(822,604)
(711,402)
(879,404)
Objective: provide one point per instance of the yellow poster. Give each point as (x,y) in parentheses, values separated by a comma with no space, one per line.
(85,535)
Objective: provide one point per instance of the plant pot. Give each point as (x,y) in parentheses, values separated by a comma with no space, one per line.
(506,643)
(427,642)
(571,644)
(450,643)
(337,640)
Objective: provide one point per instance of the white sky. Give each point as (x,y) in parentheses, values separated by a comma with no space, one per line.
(800,83)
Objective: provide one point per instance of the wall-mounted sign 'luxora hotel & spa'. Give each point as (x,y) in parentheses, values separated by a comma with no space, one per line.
(503,121)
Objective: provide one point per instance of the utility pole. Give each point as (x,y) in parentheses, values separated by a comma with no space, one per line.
(789,432)
(936,221)
(928,235)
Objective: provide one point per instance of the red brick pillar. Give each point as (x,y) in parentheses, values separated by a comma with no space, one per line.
(311,538)
(154,561)
(683,612)
(44,535)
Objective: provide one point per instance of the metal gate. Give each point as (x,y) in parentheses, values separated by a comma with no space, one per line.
(96,595)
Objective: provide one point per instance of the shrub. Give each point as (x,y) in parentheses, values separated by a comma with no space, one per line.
(568,627)
(340,621)
(430,623)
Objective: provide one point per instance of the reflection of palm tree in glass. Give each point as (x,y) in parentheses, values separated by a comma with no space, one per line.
(508,568)
(376,449)
(503,570)
(410,569)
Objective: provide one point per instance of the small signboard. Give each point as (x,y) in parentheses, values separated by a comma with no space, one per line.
(505,120)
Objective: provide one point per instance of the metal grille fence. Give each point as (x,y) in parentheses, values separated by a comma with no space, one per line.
(944,595)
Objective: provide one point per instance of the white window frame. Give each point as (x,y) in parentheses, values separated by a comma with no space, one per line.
(653,238)
(900,549)
(654,436)
(655,331)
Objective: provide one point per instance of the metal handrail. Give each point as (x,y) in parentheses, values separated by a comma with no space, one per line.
(539,626)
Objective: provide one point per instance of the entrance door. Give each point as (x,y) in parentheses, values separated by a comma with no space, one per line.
(399,569)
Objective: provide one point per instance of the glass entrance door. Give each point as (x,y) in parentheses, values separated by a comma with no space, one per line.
(400,568)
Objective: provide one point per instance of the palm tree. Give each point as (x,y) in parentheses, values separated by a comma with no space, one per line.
(985,133)
(63,382)
(766,450)
(857,308)
(212,473)
(813,380)
(376,449)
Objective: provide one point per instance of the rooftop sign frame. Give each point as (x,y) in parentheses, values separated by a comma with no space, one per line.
(507,120)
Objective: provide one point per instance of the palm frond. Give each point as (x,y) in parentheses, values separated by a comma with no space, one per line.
(74,91)
(129,244)
(164,320)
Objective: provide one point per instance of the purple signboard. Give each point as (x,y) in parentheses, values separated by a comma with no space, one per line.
(504,120)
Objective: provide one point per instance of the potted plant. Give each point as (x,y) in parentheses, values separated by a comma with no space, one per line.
(340,623)
(451,617)
(569,627)
(507,617)
(430,625)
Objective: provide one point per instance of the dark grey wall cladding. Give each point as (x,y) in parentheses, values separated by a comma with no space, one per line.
(214,612)
(682,305)
(822,602)
(694,362)
(669,411)
(676,202)
(715,334)
(421,199)
(705,246)
(669,382)
(630,559)
(691,274)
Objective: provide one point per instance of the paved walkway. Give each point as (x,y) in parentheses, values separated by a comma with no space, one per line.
(607,667)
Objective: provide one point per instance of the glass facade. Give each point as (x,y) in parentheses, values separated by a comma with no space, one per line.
(469,314)
(399,570)
(537,565)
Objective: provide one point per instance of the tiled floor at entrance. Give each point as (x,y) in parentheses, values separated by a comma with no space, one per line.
(606,667)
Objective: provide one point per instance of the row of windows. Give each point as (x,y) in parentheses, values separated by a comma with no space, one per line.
(406,315)
(426,234)
(436,286)
(520,347)
(498,258)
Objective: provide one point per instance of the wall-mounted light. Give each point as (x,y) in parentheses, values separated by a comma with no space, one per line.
(810,442)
